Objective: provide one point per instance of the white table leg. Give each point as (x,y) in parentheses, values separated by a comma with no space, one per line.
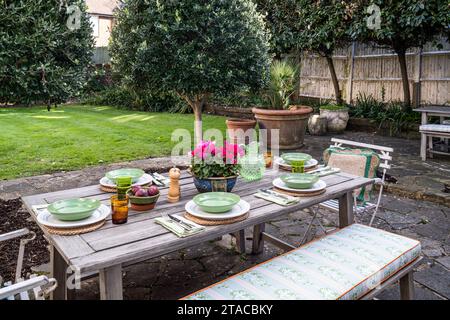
(423,138)
(111,283)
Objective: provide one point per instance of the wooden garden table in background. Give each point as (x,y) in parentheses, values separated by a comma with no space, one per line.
(107,250)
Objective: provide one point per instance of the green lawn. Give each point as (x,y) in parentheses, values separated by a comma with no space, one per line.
(34,141)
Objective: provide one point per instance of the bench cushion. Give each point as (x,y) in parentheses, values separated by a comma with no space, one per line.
(344,265)
(435,127)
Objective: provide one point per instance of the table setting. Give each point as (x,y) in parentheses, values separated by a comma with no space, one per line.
(215,204)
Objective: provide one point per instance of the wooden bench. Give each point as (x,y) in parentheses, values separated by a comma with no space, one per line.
(356,262)
(430,131)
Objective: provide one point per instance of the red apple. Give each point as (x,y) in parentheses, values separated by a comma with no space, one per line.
(141,193)
(152,191)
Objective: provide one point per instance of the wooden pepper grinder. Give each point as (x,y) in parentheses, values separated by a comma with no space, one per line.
(174,187)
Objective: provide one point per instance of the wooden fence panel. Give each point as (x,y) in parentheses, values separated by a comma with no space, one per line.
(376,71)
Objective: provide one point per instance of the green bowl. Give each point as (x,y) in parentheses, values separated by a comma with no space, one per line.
(135,174)
(299,180)
(216,202)
(73,209)
(295,156)
(142,200)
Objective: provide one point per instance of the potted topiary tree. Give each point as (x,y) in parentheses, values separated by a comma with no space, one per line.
(291,121)
(194,48)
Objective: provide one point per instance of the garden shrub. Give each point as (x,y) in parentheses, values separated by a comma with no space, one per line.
(44,50)
(143,100)
(394,114)
(191,47)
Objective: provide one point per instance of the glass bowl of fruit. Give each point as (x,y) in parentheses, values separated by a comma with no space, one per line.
(143,198)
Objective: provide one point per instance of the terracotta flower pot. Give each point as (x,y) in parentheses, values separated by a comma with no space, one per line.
(291,123)
(234,124)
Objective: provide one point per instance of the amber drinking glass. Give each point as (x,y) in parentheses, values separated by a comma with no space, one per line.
(119,208)
(268,159)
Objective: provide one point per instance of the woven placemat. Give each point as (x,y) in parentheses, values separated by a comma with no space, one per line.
(75,231)
(206,222)
(300,194)
(114,190)
(289,168)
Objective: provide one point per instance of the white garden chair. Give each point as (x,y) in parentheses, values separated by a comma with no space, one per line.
(37,287)
(385,154)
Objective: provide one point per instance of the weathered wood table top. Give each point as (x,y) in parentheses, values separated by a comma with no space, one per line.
(439,110)
(141,238)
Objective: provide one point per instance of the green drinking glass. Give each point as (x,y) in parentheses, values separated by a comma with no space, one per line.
(298,166)
(123,184)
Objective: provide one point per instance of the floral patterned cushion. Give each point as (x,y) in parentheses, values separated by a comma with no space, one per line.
(344,265)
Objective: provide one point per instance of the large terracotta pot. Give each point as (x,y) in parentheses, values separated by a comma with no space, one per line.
(291,123)
(234,124)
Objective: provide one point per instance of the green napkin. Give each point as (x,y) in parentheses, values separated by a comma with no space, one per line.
(283,201)
(176,228)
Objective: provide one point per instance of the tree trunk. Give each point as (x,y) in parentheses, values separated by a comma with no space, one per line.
(198,131)
(334,79)
(196,103)
(404,72)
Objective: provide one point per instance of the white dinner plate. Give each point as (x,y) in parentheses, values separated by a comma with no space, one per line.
(241,208)
(309,164)
(47,219)
(318,186)
(144,180)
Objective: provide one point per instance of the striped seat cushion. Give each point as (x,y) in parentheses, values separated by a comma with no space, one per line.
(344,265)
(435,127)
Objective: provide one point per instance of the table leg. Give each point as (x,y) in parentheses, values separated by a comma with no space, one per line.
(423,139)
(59,272)
(346,210)
(258,242)
(240,241)
(430,146)
(407,287)
(111,283)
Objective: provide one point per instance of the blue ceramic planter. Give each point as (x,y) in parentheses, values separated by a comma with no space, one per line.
(215,184)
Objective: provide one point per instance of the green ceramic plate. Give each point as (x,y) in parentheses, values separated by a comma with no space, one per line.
(295,156)
(216,202)
(73,209)
(135,174)
(299,180)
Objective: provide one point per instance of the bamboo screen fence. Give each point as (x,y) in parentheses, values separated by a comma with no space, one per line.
(366,69)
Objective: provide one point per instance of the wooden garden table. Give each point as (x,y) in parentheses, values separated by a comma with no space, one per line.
(107,250)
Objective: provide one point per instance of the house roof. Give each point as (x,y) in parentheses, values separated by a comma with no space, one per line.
(102,7)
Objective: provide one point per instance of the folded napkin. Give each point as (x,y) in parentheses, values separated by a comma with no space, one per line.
(176,228)
(283,200)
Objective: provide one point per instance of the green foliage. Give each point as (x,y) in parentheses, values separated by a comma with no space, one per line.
(393,114)
(41,59)
(195,48)
(284,76)
(242,99)
(281,18)
(324,25)
(404,23)
(142,100)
